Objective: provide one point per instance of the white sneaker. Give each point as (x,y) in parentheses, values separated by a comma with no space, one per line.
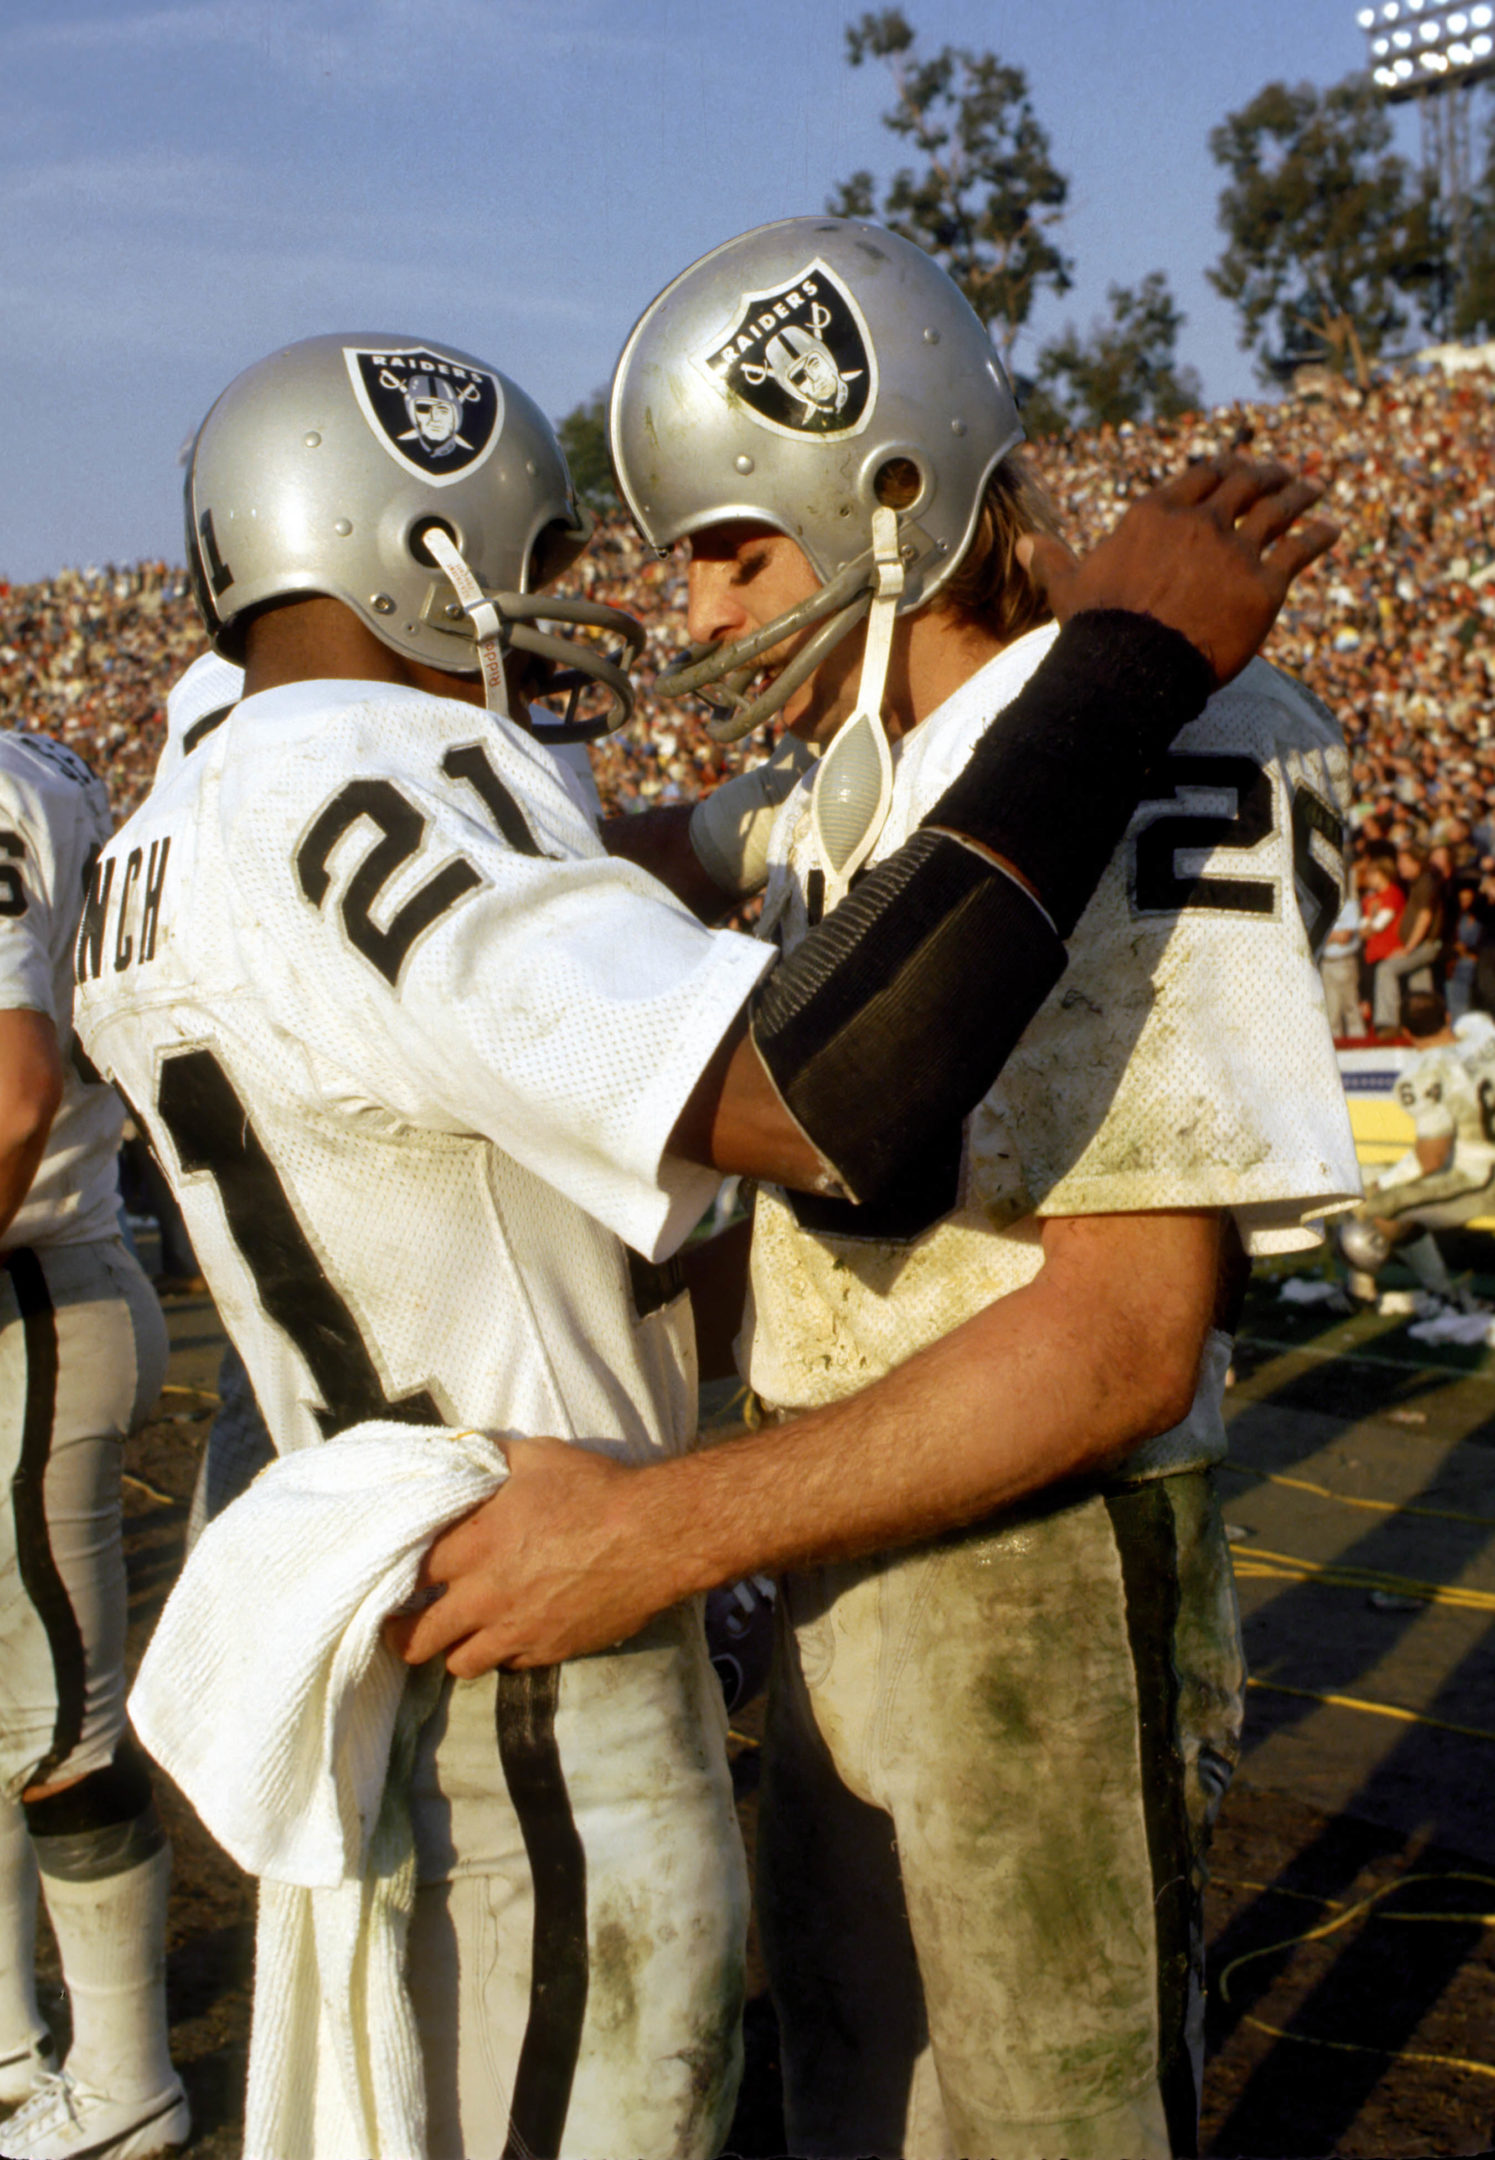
(22,2070)
(66,2120)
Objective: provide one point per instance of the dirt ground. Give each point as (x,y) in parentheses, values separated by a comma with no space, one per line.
(1352,1913)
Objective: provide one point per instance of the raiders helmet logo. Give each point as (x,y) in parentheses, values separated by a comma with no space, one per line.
(799,356)
(439,418)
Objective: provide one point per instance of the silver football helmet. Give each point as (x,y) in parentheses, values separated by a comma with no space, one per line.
(348,464)
(775,380)
(1363,1244)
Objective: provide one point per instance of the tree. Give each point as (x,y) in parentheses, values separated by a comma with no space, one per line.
(1125,370)
(987,196)
(583,437)
(1475,312)
(1328,235)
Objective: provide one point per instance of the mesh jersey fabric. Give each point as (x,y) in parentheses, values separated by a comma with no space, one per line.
(411,1047)
(207,685)
(1184,1059)
(54,817)
(1451,1089)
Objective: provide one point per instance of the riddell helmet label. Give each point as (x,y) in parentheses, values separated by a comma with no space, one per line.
(798,356)
(439,418)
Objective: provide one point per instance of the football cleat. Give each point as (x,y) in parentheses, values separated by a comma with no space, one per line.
(67,2120)
(22,2069)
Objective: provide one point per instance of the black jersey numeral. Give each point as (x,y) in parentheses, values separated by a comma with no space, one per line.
(403,828)
(1320,890)
(1160,888)
(1486,1093)
(12,890)
(212,1135)
(471,762)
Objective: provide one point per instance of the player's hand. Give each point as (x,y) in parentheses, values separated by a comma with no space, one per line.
(1211,553)
(549,1568)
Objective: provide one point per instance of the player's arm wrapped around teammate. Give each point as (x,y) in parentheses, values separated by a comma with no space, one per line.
(892,1021)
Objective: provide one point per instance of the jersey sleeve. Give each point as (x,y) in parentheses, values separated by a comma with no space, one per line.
(458,947)
(27,877)
(1185,1059)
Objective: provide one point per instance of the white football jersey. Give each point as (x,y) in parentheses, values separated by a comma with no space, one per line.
(54,818)
(1183,1061)
(1451,1089)
(411,1046)
(200,700)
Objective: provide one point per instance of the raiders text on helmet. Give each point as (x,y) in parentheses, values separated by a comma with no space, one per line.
(322,470)
(774,381)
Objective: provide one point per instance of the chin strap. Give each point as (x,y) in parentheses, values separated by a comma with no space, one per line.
(854,786)
(487,623)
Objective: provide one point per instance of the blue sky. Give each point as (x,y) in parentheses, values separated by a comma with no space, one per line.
(185,186)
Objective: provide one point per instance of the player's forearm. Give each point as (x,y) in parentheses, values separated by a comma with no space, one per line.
(1053,1382)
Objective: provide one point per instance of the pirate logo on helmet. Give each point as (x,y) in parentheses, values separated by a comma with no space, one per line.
(798,357)
(436,416)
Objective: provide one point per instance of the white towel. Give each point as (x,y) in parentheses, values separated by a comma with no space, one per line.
(269,1697)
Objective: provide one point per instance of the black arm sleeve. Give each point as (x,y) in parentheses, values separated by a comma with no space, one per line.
(894,1017)
(1080,738)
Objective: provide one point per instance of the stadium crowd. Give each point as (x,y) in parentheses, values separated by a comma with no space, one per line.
(1396,633)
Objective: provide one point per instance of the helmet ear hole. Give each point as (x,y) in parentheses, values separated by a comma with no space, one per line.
(556,548)
(416,539)
(898,483)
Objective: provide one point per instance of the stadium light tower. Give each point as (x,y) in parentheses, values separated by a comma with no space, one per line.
(1435,52)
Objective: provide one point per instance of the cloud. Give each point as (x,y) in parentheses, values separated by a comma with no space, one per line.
(354,46)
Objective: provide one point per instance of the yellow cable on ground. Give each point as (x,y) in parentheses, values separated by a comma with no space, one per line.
(163,1499)
(1379,1507)
(1304,1897)
(1373,1709)
(1342,1918)
(1257,1560)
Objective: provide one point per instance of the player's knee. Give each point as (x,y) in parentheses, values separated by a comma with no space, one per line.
(100,1825)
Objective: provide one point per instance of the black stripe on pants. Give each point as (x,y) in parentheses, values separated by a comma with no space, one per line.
(559,1969)
(1147,1546)
(39,1571)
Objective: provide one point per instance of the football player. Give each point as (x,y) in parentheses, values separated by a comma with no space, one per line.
(1009,1692)
(1447,1176)
(82,1358)
(441,1086)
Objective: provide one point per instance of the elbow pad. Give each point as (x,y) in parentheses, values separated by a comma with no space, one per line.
(729,828)
(892,1020)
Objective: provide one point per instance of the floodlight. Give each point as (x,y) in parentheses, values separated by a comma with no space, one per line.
(1415,6)
(1366,18)
(1482,17)
(1482,47)
(1390,11)
(1458,24)
(1436,63)
(1402,70)
(1429,33)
